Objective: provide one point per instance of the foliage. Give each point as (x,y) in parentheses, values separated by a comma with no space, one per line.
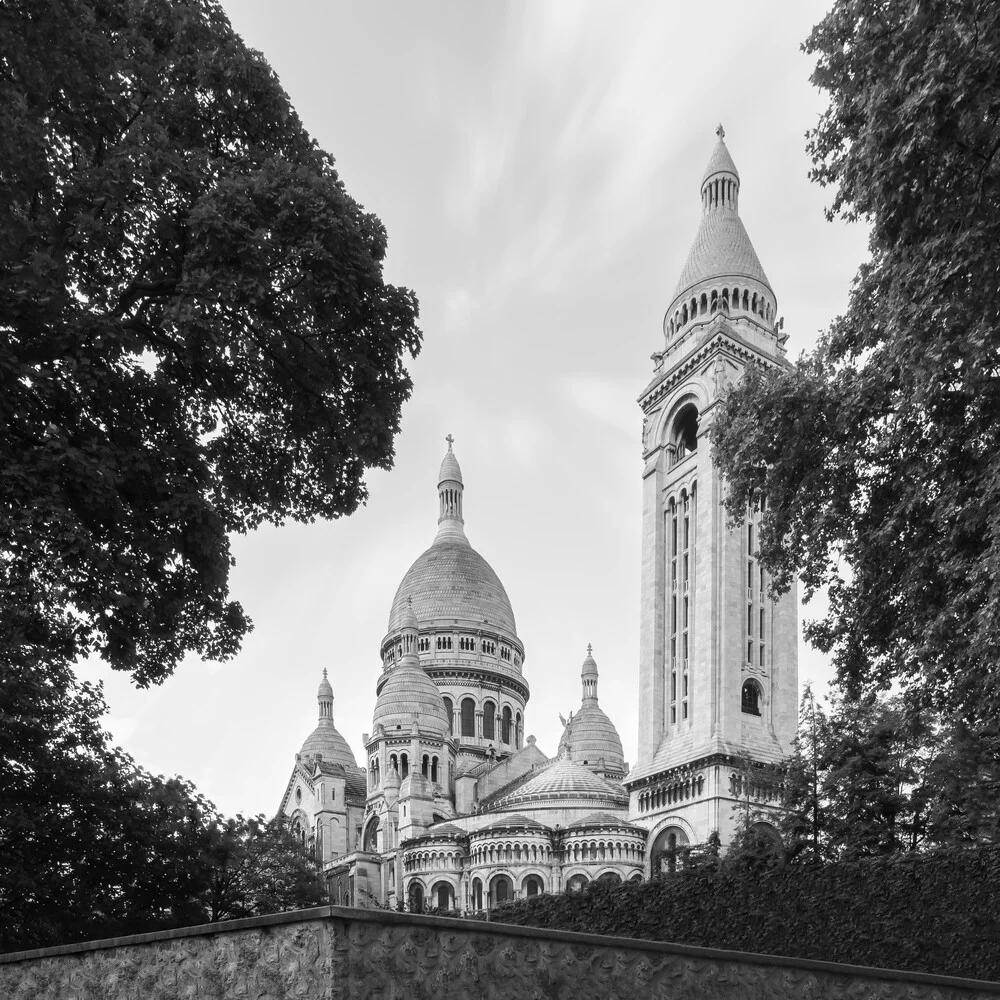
(910,911)
(879,776)
(879,453)
(92,846)
(195,333)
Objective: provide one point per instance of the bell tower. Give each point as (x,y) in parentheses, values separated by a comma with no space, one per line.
(718,674)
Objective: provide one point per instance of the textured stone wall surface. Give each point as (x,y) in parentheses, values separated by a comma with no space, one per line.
(334,953)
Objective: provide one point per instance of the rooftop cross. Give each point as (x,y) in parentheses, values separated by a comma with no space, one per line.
(590,649)
(450,441)
(720,131)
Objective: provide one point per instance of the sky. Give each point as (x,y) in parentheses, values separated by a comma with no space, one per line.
(537,167)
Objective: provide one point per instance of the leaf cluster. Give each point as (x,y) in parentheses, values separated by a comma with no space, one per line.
(195,332)
(878,452)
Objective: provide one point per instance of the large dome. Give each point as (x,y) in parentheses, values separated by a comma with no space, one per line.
(452,581)
(590,736)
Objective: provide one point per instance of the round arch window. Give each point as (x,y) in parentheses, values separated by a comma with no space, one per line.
(750,698)
(685,432)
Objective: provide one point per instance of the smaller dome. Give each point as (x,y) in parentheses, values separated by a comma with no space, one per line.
(565,779)
(449,472)
(409,692)
(325,687)
(326,741)
(589,668)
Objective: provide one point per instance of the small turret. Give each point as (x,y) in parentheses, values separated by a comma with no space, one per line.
(450,489)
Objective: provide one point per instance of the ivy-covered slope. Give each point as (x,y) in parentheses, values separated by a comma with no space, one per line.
(921,912)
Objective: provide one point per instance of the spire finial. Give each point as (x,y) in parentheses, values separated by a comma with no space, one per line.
(450,439)
(720,132)
(590,649)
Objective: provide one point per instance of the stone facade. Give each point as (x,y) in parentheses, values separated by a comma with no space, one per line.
(332,953)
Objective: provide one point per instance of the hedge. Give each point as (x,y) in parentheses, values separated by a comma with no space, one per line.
(937,912)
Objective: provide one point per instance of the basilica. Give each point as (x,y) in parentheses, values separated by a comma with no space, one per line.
(454,807)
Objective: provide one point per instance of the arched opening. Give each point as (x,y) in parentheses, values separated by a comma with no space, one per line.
(477,894)
(434,769)
(577,882)
(425,766)
(468,717)
(415,897)
(635,879)
(750,698)
(610,878)
(663,854)
(501,889)
(404,766)
(685,434)
(443,895)
(449,708)
(369,842)
(532,886)
(489,720)
(518,731)
(507,719)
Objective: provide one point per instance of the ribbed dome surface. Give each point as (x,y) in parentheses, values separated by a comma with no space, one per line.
(603,819)
(449,471)
(409,690)
(565,779)
(721,248)
(591,735)
(452,580)
(327,741)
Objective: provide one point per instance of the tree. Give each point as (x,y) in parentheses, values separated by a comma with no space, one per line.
(93,846)
(195,333)
(879,452)
(259,867)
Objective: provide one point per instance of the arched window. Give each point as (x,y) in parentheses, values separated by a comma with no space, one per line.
(501,889)
(489,720)
(449,708)
(434,769)
(518,734)
(415,897)
(404,765)
(443,896)
(425,766)
(750,698)
(507,719)
(532,886)
(477,894)
(370,840)
(685,434)
(663,853)
(576,883)
(611,878)
(468,717)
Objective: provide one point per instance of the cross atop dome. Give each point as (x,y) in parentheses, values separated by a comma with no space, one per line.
(720,132)
(590,650)
(451,439)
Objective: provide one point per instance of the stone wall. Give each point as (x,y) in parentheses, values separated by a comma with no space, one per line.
(333,952)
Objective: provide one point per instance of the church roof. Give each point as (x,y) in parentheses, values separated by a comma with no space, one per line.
(603,819)
(721,248)
(590,736)
(562,779)
(327,741)
(452,581)
(409,692)
(514,820)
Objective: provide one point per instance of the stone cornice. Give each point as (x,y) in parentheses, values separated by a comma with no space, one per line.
(693,767)
(718,335)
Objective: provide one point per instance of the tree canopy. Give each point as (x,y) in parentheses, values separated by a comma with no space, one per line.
(92,846)
(195,333)
(879,452)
